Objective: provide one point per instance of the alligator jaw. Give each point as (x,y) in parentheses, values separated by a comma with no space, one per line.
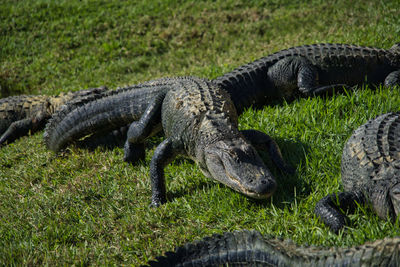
(269,185)
(237,165)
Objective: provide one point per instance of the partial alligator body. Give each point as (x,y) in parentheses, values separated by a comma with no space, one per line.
(22,114)
(303,70)
(250,248)
(370,173)
(117,109)
(310,70)
(200,122)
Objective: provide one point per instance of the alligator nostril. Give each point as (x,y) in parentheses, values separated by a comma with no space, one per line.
(265,187)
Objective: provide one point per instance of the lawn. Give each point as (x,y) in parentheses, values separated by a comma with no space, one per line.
(90,208)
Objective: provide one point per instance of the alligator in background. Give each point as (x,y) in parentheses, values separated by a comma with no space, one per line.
(310,70)
(370,173)
(250,248)
(299,71)
(200,122)
(22,114)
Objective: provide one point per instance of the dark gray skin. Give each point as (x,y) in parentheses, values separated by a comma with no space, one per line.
(310,70)
(104,115)
(370,173)
(200,122)
(250,248)
(299,71)
(22,114)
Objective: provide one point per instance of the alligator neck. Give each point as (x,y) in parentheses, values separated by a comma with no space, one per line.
(249,85)
(212,128)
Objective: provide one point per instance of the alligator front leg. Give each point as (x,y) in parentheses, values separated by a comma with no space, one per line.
(163,155)
(330,208)
(148,125)
(393,79)
(261,141)
(297,72)
(21,128)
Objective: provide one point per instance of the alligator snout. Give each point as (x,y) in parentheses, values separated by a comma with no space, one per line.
(261,185)
(264,188)
(241,169)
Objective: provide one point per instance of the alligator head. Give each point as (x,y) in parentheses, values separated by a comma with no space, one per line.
(237,164)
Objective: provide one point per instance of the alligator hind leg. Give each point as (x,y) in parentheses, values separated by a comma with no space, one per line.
(393,78)
(148,125)
(261,141)
(330,208)
(163,155)
(297,72)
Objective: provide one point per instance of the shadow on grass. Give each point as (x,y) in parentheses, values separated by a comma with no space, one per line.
(287,183)
(107,141)
(294,153)
(192,188)
(116,138)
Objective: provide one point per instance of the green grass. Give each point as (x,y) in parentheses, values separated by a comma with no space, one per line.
(90,208)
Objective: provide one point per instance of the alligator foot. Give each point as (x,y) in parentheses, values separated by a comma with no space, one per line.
(330,208)
(134,152)
(393,79)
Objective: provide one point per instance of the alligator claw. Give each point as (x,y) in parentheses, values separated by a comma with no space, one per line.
(134,153)
(155,203)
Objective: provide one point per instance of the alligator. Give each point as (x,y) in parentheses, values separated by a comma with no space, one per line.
(370,173)
(199,122)
(298,71)
(116,110)
(22,114)
(250,248)
(310,70)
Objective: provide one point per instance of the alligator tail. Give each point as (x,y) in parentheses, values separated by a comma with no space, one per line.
(113,111)
(250,248)
(219,250)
